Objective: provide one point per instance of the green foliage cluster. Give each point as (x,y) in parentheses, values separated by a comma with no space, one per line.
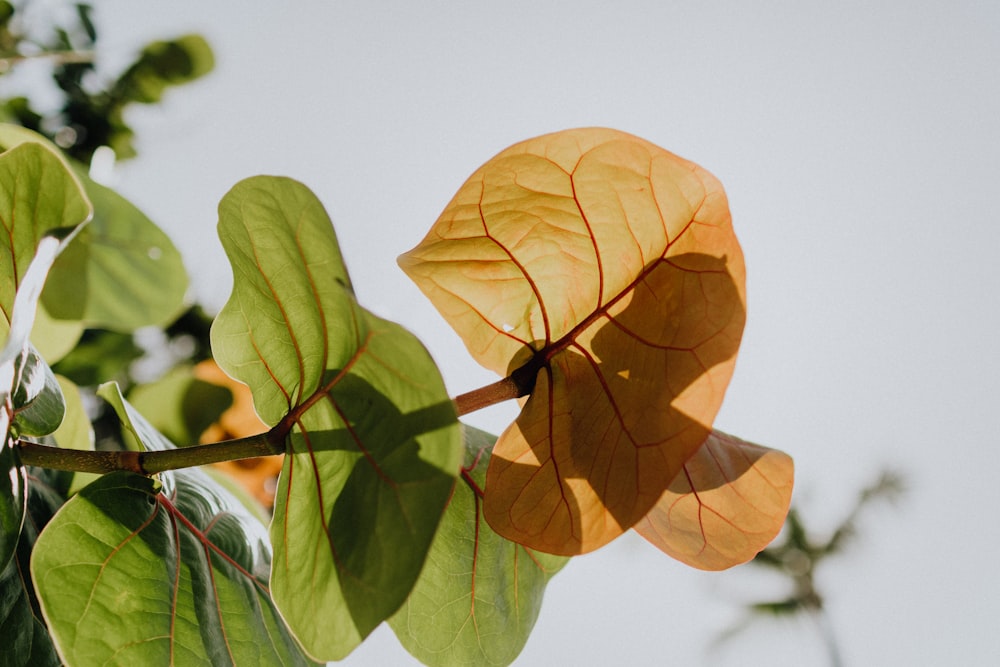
(91,111)
(374,452)
(374,445)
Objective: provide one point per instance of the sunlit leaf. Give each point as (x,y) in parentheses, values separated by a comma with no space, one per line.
(479,594)
(39,195)
(728,503)
(373,445)
(41,203)
(607,269)
(203,595)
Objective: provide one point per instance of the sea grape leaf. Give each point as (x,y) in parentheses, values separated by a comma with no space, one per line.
(372,444)
(728,503)
(26,639)
(605,270)
(121,272)
(30,400)
(38,401)
(203,595)
(26,381)
(39,196)
(479,594)
(191,567)
(41,204)
(13,494)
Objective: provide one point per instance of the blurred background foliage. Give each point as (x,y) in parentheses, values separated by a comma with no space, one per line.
(166,369)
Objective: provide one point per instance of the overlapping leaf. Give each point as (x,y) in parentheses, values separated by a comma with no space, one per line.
(39,195)
(121,271)
(479,594)
(373,446)
(41,203)
(728,503)
(202,596)
(607,268)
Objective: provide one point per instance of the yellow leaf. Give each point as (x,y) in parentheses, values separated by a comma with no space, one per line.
(608,268)
(727,504)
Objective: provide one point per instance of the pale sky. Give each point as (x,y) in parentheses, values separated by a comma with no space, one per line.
(859,144)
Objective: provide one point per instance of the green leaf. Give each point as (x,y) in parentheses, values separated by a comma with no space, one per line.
(183,556)
(39,196)
(373,443)
(53,338)
(13,494)
(479,594)
(121,272)
(128,575)
(26,639)
(162,64)
(38,401)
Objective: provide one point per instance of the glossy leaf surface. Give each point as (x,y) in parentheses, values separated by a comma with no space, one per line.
(373,445)
(39,406)
(26,640)
(728,503)
(607,268)
(479,594)
(202,595)
(13,494)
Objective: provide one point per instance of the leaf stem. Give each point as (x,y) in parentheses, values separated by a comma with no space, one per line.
(520,383)
(148,463)
(491,394)
(517,384)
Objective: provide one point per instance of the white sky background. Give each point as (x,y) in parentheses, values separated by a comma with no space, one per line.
(859,144)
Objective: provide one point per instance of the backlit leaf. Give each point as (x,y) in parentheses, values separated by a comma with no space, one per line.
(728,503)
(373,445)
(39,196)
(606,268)
(479,594)
(41,203)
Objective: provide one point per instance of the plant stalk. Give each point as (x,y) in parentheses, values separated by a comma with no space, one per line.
(263,444)
(491,394)
(147,463)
